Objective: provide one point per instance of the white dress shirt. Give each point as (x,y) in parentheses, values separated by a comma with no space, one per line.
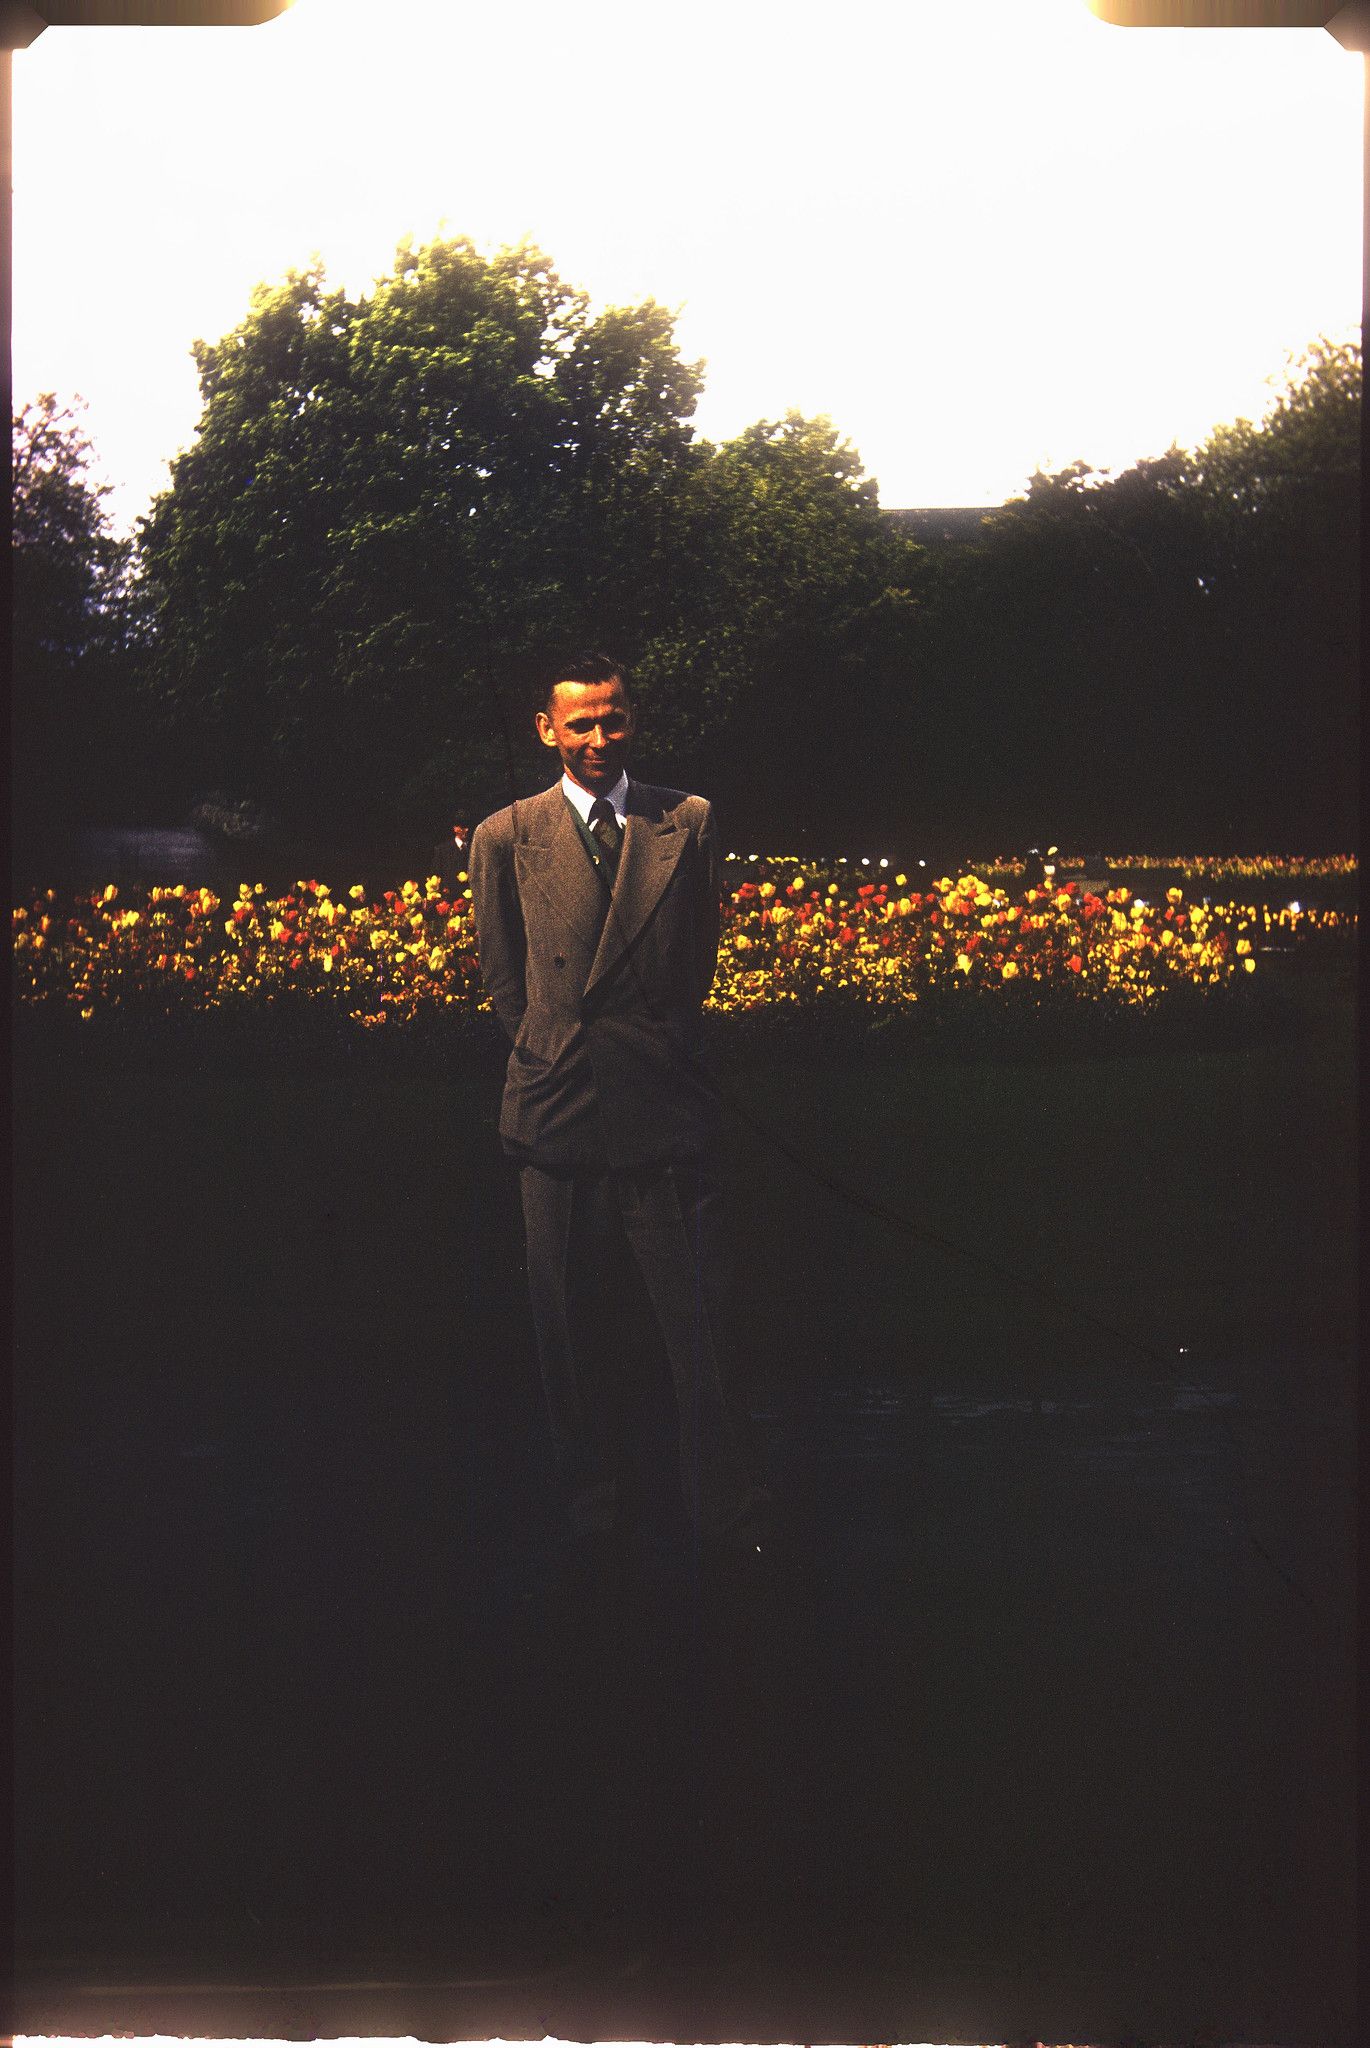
(585,802)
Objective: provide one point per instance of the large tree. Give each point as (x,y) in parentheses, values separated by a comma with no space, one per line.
(1280,507)
(1166,654)
(793,604)
(390,504)
(394,506)
(73,754)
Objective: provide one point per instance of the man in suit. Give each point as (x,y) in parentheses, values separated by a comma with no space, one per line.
(597,917)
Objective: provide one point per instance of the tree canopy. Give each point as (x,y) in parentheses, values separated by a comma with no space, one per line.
(70,622)
(395,505)
(1169,649)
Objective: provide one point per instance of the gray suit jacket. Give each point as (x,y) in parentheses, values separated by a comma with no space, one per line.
(603,1010)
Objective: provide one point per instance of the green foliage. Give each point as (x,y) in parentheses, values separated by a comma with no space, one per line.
(1303,456)
(395,506)
(795,598)
(70,621)
(390,504)
(65,560)
(1171,648)
(1280,505)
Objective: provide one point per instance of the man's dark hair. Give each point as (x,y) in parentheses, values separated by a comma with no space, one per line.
(586,667)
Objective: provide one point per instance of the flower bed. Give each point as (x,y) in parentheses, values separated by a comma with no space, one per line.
(806,937)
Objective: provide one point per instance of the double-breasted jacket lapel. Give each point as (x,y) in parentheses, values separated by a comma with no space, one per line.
(552,858)
(548,856)
(652,845)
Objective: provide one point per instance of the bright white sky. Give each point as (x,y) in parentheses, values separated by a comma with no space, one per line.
(982,237)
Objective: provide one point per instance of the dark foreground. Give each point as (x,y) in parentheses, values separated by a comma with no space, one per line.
(1040,1727)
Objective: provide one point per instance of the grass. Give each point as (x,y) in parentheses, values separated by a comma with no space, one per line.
(272,1360)
(282,1217)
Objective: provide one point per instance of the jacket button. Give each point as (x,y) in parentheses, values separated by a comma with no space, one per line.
(557,960)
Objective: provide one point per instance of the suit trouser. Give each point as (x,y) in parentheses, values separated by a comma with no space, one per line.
(672,1218)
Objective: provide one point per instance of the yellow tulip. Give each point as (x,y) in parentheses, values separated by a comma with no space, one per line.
(1010,968)
(963,962)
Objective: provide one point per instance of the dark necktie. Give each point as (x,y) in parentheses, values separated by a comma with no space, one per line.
(604,827)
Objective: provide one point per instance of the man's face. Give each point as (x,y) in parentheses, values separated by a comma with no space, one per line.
(590,725)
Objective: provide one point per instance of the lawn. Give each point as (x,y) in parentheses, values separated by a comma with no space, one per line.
(266,1214)
(275,1399)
